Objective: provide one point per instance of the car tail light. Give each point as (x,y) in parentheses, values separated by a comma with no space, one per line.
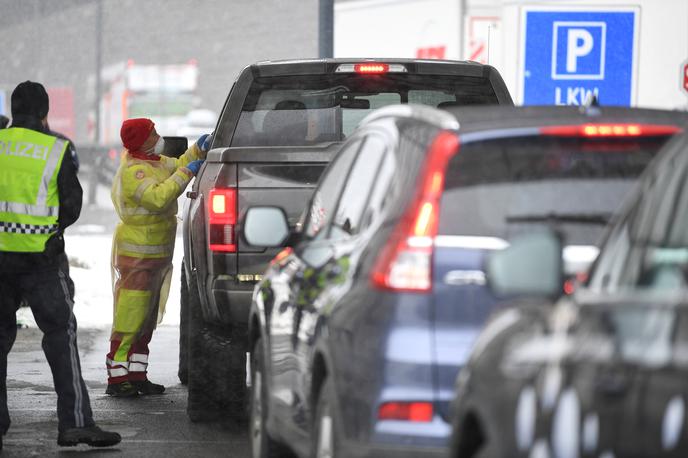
(406,411)
(610,130)
(222,216)
(405,262)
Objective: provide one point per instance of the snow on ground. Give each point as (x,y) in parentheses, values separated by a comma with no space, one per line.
(89,259)
(88,244)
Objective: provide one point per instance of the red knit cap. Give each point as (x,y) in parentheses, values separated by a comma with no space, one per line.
(135,132)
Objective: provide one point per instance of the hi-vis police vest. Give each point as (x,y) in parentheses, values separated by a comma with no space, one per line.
(29,200)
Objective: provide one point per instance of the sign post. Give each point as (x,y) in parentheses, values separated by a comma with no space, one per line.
(570,54)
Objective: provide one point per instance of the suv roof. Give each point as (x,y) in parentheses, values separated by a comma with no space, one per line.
(485,117)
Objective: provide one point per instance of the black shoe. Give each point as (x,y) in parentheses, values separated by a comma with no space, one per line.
(148,387)
(92,435)
(121,390)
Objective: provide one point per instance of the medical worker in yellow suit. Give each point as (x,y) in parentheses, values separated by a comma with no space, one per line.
(144,193)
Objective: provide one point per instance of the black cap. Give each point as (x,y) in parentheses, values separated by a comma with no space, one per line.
(31,99)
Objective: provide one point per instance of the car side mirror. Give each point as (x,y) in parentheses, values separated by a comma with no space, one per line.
(175,146)
(531,266)
(266,227)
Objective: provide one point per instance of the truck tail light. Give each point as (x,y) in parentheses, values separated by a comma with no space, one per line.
(405,262)
(371,68)
(222,216)
(406,411)
(611,130)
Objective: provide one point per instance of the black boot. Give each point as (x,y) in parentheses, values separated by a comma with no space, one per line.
(121,390)
(148,387)
(91,435)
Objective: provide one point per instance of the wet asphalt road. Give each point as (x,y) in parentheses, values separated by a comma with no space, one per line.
(151,426)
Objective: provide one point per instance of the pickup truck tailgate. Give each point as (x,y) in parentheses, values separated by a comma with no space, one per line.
(277,176)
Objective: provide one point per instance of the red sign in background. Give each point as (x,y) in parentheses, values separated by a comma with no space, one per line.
(431,52)
(61,114)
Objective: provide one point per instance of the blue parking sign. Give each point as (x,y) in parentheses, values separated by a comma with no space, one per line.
(572,54)
(2,102)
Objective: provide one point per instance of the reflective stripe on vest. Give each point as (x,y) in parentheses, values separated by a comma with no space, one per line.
(180,181)
(26,209)
(129,211)
(18,228)
(29,164)
(145,184)
(145,249)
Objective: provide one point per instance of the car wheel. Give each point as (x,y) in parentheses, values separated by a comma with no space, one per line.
(324,438)
(216,366)
(183,371)
(262,445)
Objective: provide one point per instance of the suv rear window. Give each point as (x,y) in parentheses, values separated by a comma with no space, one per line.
(312,109)
(505,187)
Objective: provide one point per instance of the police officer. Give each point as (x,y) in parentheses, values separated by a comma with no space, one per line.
(144,193)
(40,196)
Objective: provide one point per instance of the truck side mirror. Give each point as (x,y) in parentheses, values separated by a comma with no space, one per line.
(175,146)
(266,227)
(531,266)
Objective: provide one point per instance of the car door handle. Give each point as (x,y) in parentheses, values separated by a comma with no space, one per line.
(465,277)
(192,194)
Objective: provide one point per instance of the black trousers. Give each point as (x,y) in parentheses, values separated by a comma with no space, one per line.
(50,295)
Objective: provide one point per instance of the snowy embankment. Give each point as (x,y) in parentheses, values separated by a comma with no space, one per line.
(89,264)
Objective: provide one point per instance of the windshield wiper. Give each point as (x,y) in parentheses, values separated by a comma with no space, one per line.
(577,218)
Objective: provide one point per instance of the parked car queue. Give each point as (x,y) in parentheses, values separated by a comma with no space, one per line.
(361,324)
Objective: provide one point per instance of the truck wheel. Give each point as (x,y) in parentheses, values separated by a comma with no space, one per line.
(183,371)
(216,367)
(262,445)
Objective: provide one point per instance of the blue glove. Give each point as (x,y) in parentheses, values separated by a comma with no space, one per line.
(194,166)
(204,142)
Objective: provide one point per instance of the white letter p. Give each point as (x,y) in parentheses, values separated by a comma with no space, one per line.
(579,45)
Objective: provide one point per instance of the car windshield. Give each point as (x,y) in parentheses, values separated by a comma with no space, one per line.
(312,109)
(509,186)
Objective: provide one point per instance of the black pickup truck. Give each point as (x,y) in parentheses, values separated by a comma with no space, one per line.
(281,125)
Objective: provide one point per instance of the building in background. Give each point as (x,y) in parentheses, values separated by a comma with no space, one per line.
(548,51)
(55,43)
(165,93)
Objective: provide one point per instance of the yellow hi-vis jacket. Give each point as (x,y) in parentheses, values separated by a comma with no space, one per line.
(29,201)
(145,194)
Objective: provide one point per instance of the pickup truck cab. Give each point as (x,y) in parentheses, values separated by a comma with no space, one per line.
(281,125)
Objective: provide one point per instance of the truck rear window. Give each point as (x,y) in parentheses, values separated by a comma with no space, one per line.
(505,187)
(313,109)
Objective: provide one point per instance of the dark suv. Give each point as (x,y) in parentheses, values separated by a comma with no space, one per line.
(281,125)
(359,328)
(598,373)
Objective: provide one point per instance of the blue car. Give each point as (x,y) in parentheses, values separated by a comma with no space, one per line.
(360,325)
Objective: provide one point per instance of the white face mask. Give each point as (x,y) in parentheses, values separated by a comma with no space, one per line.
(159,147)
